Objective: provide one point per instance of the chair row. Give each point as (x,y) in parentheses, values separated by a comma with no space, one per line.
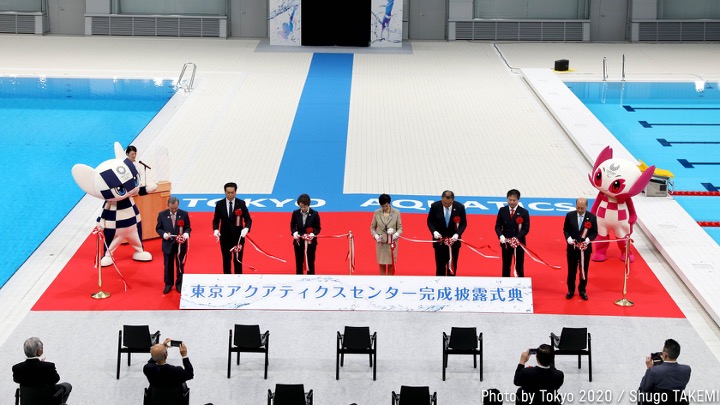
(295,394)
(356,340)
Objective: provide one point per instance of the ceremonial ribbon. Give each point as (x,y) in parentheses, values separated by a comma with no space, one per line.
(393,246)
(259,249)
(100,243)
(532,254)
(350,257)
(181,262)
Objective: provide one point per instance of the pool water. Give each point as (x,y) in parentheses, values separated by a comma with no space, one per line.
(46,126)
(674,126)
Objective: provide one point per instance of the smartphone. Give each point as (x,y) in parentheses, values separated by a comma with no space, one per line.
(532,351)
(175,343)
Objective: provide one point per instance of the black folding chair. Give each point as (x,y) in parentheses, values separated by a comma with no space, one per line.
(27,395)
(356,340)
(414,396)
(573,342)
(135,339)
(167,395)
(463,341)
(248,339)
(290,394)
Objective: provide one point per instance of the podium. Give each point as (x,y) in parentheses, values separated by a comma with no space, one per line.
(150,205)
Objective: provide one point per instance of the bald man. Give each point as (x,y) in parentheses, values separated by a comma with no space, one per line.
(580,229)
(163,375)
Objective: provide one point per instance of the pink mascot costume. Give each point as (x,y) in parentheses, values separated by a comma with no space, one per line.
(617,180)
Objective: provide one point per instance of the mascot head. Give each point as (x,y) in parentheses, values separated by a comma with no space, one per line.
(618,178)
(113,180)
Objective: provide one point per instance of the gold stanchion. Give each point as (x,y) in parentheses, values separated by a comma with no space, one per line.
(100,294)
(624,302)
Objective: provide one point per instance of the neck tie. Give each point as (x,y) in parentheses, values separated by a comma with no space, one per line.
(173,219)
(512,212)
(447,216)
(230,212)
(580,218)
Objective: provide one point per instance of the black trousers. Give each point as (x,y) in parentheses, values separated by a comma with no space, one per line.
(299,247)
(172,264)
(573,259)
(442,257)
(507,258)
(227,258)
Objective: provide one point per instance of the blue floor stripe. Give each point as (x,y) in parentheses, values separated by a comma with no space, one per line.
(314,159)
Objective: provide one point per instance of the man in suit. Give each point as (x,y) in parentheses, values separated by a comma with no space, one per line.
(538,385)
(231,223)
(513,221)
(669,375)
(160,374)
(446,222)
(37,374)
(580,228)
(173,225)
(304,226)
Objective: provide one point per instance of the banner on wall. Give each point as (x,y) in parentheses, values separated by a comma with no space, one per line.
(285,23)
(386,23)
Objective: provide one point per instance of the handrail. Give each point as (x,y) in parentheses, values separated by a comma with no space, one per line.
(604,73)
(189,85)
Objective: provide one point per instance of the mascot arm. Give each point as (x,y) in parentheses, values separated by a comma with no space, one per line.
(596,204)
(632,215)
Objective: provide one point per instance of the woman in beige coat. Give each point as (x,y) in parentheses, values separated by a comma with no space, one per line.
(386,228)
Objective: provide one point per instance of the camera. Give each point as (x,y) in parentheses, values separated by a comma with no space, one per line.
(175,343)
(656,358)
(532,351)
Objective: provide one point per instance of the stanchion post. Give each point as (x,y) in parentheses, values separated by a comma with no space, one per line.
(624,302)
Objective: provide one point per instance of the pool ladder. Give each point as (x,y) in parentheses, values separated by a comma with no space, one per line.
(605,68)
(188,85)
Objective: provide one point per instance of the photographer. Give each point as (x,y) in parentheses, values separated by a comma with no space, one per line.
(538,385)
(165,376)
(668,376)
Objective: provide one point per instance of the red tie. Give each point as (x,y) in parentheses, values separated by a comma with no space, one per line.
(512,212)
(173,220)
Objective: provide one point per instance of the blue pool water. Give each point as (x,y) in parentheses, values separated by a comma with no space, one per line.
(674,126)
(47,126)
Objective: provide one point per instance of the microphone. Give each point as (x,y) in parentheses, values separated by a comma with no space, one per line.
(146,166)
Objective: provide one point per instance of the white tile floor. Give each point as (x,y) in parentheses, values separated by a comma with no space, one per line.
(471,96)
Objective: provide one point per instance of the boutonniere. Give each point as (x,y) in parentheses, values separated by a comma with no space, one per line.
(238,213)
(586,227)
(519,221)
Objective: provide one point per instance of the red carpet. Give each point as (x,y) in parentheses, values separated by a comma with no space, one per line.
(72,288)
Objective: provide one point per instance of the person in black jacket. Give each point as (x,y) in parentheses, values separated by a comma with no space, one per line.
(37,374)
(512,223)
(580,228)
(446,222)
(304,226)
(160,374)
(539,384)
(231,223)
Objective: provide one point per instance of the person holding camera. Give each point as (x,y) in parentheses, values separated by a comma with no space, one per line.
(162,375)
(39,375)
(667,375)
(538,385)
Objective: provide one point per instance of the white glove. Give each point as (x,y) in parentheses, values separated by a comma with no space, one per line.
(390,230)
(502,239)
(244,232)
(166,236)
(216,233)
(378,238)
(570,240)
(312,235)
(150,187)
(396,235)
(296,235)
(587,240)
(437,235)
(186,235)
(455,237)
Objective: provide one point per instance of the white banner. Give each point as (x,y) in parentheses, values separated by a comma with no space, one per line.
(386,24)
(284,23)
(356,293)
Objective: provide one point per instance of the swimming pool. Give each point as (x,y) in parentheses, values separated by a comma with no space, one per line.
(47,125)
(675,126)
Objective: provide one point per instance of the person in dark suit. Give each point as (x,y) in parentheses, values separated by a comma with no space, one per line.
(513,221)
(580,228)
(538,385)
(231,223)
(446,222)
(173,225)
(669,375)
(160,374)
(304,226)
(37,374)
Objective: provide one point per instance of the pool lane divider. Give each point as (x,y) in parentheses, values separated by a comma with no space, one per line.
(633,109)
(665,142)
(646,124)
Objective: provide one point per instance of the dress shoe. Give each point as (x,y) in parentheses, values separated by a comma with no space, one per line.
(179,288)
(583,295)
(167,289)
(569,295)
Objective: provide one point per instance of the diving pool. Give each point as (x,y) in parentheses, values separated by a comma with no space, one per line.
(46,126)
(672,125)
